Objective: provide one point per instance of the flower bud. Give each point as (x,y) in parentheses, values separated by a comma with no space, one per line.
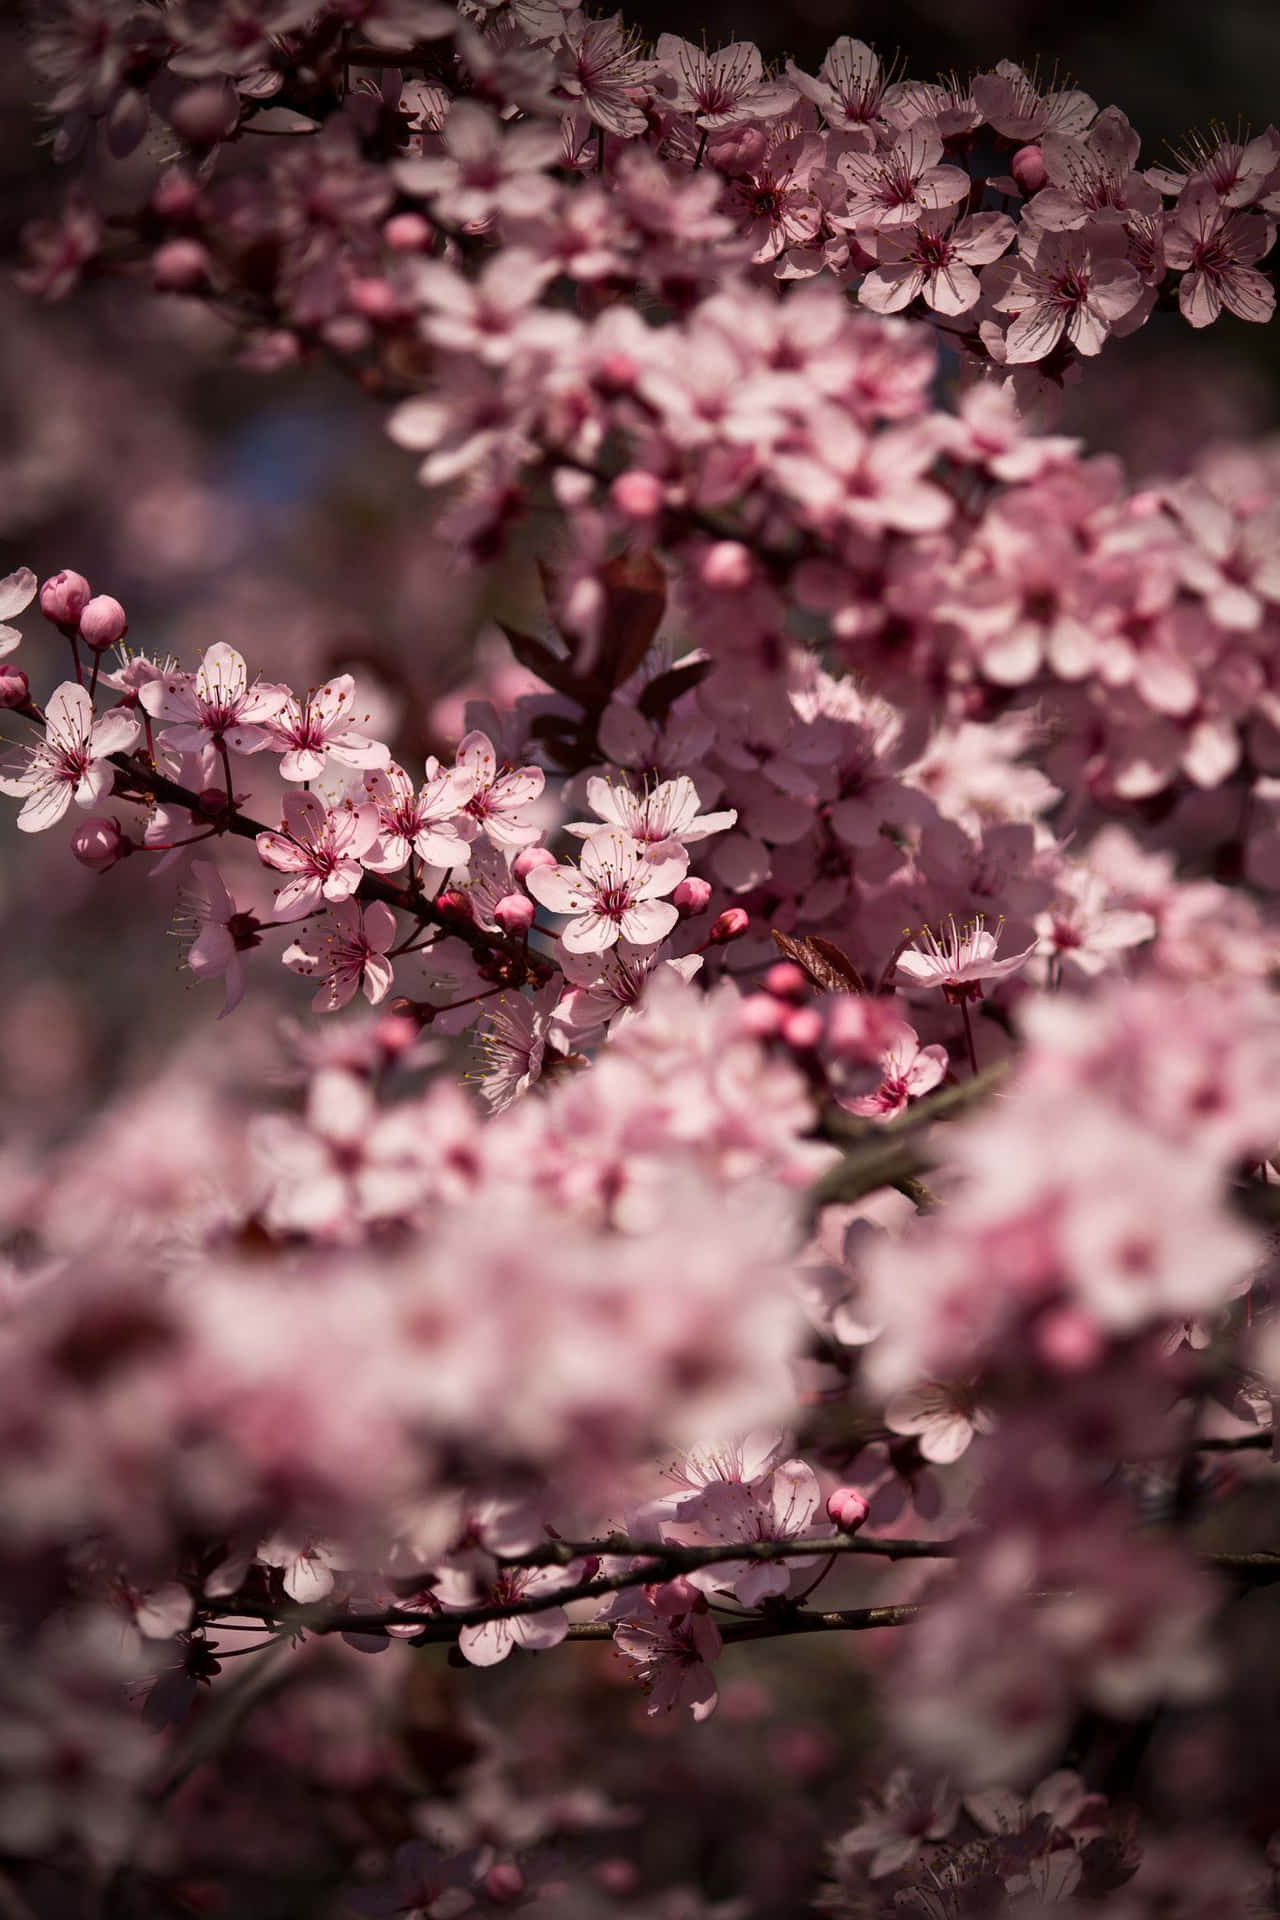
(786,981)
(99,843)
(15,688)
(180,266)
(638,495)
(691,896)
(395,1031)
(761,1016)
(453,904)
(1028,169)
(176,195)
(504,1881)
(374,298)
(408,233)
(514,913)
(103,622)
(736,149)
(206,114)
(1067,1340)
(730,925)
(803,1029)
(848,1508)
(531,859)
(64,597)
(616,373)
(727,565)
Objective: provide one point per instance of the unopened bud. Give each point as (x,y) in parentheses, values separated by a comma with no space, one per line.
(1067,1340)
(514,913)
(736,150)
(395,1032)
(848,1508)
(1028,169)
(408,233)
(504,1881)
(730,925)
(691,896)
(206,114)
(64,597)
(727,565)
(103,622)
(176,195)
(761,1016)
(374,298)
(15,688)
(180,266)
(786,981)
(531,860)
(638,495)
(616,373)
(99,843)
(803,1029)
(452,904)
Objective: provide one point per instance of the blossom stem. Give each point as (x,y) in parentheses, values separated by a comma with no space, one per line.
(968,1038)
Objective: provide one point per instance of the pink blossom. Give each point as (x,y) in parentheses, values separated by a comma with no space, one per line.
(1075,286)
(1216,252)
(906,1815)
(68,764)
(349,948)
(598,63)
(780,1505)
(322,850)
(219,932)
(513,1044)
(850,87)
(616,892)
(477,1581)
(667,816)
(310,731)
(674,1655)
(943,1416)
(907,1070)
(959,959)
(17,591)
(218,706)
(487,169)
(720,89)
(427,823)
(893,189)
(499,801)
(935,261)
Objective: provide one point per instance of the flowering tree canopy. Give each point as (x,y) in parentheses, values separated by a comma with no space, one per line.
(801,1154)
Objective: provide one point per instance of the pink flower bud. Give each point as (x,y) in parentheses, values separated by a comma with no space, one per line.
(504,1881)
(375,299)
(848,1508)
(1067,1340)
(15,688)
(206,114)
(99,843)
(103,622)
(638,495)
(176,195)
(616,373)
(1028,169)
(761,1016)
(616,1875)
(786,981)
(395,1032)
(803,1029)
(727,565)
(64,597)
(530,860)
(180,266)
(408,233)
(453,905)
(691,896)
(514,913)
(730,925)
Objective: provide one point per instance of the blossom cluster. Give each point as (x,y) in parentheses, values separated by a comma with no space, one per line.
(784,1115)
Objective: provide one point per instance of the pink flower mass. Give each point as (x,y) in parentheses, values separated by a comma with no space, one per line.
(706,719)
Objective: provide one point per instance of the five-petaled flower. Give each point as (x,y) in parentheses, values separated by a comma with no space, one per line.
(959,959)
(68,764)
(349,947)
(218,706)
(615,893)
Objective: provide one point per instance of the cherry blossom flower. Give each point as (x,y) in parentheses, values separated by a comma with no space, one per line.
(943,1416)
(850,86)
(1011,102)
(311,730)
(321,848)
(674,1654)
(960,959)
(721,89)
(68,764)
(616,892)
(487,170)
(666,816)
(17,591)
(513,1044)
(349,948)
(896,187)
(905,1816)
(476,1581)
(1216,252)
(907,1070)
(218,706)
(1072,286)
(935,261)
(778,1506)
(219,932)
(499,802)
(597,64)
(427,823)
